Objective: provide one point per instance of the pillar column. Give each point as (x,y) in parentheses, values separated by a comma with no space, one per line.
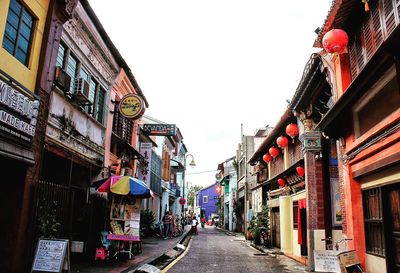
(311,146)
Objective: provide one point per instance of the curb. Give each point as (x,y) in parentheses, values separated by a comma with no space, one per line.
(152,259)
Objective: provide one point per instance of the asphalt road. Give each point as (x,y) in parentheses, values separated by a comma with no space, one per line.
(215,251)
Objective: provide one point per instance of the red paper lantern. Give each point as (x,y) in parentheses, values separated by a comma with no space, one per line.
(335,41)
(281,182)
(273,151)
(300,171)
(292,130)
(282,142)
(267,158)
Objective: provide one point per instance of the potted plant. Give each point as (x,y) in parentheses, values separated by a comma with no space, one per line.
(251,228)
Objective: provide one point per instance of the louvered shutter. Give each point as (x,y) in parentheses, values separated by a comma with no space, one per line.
(389,16)
(377,26)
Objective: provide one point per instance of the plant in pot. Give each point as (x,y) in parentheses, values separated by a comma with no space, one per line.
(251,228)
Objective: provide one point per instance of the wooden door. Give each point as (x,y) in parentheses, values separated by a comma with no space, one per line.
(394,231)
(275,226)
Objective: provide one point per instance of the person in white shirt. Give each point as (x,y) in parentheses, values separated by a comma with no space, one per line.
(194,225)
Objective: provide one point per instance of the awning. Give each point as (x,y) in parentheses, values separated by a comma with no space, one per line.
(125,146)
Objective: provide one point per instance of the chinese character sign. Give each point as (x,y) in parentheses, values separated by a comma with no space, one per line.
(145,166)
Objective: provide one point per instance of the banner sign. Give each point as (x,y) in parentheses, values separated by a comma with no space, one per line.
(144,169)
(159,129)
(19,112)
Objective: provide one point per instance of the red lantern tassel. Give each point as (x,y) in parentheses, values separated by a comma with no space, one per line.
(366,6)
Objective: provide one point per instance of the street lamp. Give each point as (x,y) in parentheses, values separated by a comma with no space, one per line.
(191,164)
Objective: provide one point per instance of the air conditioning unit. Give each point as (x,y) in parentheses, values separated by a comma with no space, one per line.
(62,79)
(81,91)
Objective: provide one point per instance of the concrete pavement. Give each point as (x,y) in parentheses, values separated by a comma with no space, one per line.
(151,249)
(214,250)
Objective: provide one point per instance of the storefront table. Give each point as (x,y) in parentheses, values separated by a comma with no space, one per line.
(132,240)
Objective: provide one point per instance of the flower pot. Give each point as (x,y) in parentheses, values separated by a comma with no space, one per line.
(249,235)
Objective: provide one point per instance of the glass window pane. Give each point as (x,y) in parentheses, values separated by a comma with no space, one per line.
(84,74)
(100,105)
(27,18)
(8,45)
(15,6)
(11,32)
(71,71)
(25,31)
(60,56)
(23,44)
(20,55)
(13,19)
(92,90)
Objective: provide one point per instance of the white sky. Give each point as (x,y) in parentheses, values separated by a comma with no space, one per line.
(208,66)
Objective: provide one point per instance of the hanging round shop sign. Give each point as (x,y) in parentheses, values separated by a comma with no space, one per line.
(182,201)
(131,106)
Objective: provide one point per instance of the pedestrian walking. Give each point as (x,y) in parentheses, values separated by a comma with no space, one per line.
(167,224)
(194,224)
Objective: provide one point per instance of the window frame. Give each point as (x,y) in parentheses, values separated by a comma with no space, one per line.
(373,91)
(205,199)
(18,32)
(89,110)
(373,223)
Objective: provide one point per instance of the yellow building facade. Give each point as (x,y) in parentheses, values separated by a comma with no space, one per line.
(22,28)
(24,74)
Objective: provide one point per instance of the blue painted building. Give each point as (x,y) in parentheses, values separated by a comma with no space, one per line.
(207,200)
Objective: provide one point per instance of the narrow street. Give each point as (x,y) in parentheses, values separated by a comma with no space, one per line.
(213,250)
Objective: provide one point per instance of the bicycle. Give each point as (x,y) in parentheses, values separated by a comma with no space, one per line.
(336,246)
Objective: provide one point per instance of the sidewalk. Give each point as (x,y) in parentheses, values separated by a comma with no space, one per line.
(152,248)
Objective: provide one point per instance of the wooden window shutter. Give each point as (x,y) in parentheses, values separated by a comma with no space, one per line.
(389,16)
(368,38)
(377,26)
(352,58)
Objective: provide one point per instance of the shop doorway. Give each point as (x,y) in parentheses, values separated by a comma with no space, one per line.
(393,240)
(275,227)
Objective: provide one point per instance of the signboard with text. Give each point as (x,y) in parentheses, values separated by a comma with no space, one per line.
(159,129)
(18,111)
(326,261)
(52,255)
(144,169)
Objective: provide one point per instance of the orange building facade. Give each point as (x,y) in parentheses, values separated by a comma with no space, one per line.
(365,121)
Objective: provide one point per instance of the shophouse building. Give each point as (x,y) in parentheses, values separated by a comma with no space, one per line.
(246,181)
(312,100)
(164,144)
(229,184)
(75,132)
(282,188)
(365,122)
(207,202)
(28,33)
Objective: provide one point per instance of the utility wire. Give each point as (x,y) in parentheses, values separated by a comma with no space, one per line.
(202,172)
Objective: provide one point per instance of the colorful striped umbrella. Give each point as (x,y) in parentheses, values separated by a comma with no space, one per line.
(124,185)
